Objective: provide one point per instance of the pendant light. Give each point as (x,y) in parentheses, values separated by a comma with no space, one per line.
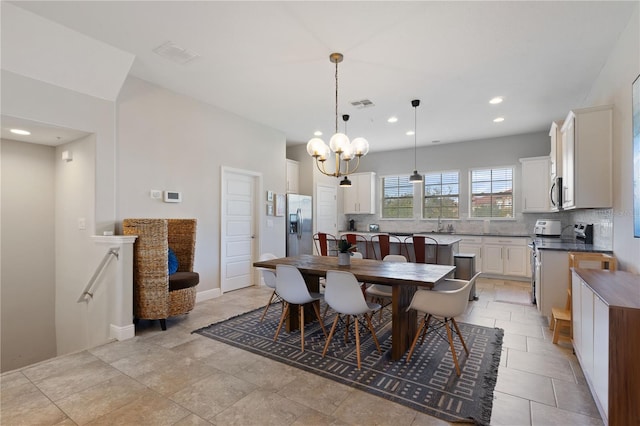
(415,177)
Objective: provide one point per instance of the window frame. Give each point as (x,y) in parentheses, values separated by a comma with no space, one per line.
(423,196)
(382,197)
(513,193)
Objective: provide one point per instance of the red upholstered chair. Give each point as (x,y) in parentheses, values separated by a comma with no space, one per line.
(326,244)
(383,243)
(416,249)
(358,241)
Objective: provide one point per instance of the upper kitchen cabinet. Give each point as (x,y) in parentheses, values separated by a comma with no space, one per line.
(555,155)
(535,184)
(360,198)
(587,158)
(293,176)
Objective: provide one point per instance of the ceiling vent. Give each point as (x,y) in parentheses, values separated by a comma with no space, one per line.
(175,53)
(365,103)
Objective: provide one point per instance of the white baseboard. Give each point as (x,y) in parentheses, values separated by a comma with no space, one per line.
(122,333)
(201,296)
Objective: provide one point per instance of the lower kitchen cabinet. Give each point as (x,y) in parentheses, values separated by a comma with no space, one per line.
(505,256)
(606,320)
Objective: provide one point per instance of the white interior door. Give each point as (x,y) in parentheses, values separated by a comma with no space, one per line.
(326,209)
(238,225)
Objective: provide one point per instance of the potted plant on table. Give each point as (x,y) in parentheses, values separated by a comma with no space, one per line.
(345,251)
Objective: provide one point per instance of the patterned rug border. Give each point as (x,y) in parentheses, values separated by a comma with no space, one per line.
(489,378)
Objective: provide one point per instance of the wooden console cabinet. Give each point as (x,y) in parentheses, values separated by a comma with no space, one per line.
(606,339)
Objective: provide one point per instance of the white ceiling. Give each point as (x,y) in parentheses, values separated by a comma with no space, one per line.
(269,61)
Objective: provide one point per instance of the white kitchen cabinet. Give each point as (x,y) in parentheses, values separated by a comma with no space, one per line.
(586,333)
(587,177)
(576,310)
(360,197)
(505,256)
(555,155)
(535,184)
(472,245)
(606,319)
(600,341)
(293,176)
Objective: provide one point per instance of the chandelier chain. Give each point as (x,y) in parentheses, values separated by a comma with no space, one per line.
(336,97)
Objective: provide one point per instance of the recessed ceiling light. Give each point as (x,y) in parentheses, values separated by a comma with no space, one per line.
(498,119)
(411,133)
(317,133)
(392,120)
(20,132)
(496,100)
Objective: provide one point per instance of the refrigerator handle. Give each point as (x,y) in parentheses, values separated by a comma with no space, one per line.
(300,219)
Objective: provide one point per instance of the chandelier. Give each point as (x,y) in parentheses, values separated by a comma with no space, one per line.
(343,150)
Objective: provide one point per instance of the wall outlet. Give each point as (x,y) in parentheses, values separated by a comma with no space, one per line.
(155,194)
(82,223)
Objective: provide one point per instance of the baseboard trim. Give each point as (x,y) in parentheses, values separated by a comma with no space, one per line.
(122,333)
(201,296)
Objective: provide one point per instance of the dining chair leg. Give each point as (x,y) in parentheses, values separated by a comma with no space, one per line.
(373,333)
(426,327)
(301,310)
(453,349)
(333,328)
(316,308)
(415,339)
(266,308)
(355,324)
(285,311)
(464,345)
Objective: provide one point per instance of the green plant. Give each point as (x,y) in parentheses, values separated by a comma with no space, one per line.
(345,246)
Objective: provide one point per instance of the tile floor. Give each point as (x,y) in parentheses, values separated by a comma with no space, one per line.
(178,378)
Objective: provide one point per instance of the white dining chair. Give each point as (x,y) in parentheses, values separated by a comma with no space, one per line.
(447,300)
(292,288)
(344,295)
(383,293)
(355,255)
(269,278)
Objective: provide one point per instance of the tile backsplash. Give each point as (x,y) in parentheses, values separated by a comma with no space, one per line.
(602,220)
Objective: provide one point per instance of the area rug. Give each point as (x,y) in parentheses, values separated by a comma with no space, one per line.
(427,384)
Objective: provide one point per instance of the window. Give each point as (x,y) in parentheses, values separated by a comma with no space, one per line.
(397,197)
(441,195)
(492,192)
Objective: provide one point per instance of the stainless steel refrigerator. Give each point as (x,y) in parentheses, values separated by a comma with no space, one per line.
(299,224)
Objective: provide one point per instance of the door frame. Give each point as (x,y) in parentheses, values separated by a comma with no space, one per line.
(257,223)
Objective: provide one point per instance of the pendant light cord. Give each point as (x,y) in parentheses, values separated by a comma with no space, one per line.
(415,137)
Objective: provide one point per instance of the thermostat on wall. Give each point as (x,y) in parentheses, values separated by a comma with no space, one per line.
(172,197)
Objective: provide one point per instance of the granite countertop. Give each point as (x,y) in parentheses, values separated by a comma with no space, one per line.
(442,239)
(435,234)
(564,245)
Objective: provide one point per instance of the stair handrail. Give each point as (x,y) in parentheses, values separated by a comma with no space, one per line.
(88,290)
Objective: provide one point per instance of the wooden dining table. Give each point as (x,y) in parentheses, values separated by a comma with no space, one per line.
(404,278)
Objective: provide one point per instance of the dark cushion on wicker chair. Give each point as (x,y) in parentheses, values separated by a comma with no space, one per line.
(181,280)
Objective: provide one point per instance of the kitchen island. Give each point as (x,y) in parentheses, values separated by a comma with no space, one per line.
(447,245)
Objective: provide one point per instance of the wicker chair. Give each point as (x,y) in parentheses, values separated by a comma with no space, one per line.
(156,294)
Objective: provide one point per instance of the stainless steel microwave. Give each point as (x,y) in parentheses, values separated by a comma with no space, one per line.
(555,194)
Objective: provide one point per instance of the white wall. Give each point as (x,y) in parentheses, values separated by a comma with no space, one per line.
(27,291)
(613,86)
(168,141)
